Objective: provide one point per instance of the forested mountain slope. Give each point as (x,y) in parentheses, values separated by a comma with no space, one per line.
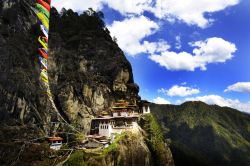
(204,134)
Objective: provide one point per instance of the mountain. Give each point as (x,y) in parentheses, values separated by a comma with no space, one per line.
(87,70)
(87,73)
(204,134)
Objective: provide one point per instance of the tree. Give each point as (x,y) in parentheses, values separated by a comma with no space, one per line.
(115,39)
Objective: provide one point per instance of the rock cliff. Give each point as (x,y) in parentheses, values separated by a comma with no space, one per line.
(87,73)
(87,70)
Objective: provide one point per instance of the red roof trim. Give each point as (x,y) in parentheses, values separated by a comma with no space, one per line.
(55,139)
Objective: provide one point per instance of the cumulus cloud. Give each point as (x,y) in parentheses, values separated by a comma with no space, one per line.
(180,91)
(77,5)
(178,42)
(160,100)
(184,83)
(212,50)
(130,34)
(128,7)
(191,12)
(239,87)
(155,47)
(223,102)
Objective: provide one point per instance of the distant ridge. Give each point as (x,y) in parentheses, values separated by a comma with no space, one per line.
(205,134)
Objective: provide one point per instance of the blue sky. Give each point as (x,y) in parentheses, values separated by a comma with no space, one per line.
(182,50)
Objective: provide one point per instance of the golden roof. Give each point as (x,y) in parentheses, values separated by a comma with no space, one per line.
(122,104)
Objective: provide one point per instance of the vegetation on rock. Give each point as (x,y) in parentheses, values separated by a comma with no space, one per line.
(156,141)
(126,150)
(76,159)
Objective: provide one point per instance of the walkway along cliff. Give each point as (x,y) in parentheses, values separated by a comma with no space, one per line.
(86,73)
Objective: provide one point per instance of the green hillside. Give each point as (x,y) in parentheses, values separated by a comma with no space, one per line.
(204,134)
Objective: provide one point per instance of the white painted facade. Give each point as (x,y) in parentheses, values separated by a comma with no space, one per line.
(115,114)
(148,111)
(120,114)
(108,129)
(124,114)
(105,129)
(145,109)
(56,145)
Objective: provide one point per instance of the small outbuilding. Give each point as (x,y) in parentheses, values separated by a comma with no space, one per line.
(145,107)
(55,142)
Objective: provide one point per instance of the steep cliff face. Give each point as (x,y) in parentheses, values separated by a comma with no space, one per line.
(87,73)
(128,150)
(147,148)
(23,103)
(87,70)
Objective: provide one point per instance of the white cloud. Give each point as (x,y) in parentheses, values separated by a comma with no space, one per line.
(178,102)
(239,87)
(132,31)
(160,100)
(128,7)
(181,91)
(77,5)
(218,100)
(130,34)
(155,47)
(191,11)
(184,83)
(212,50)
(178,42)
